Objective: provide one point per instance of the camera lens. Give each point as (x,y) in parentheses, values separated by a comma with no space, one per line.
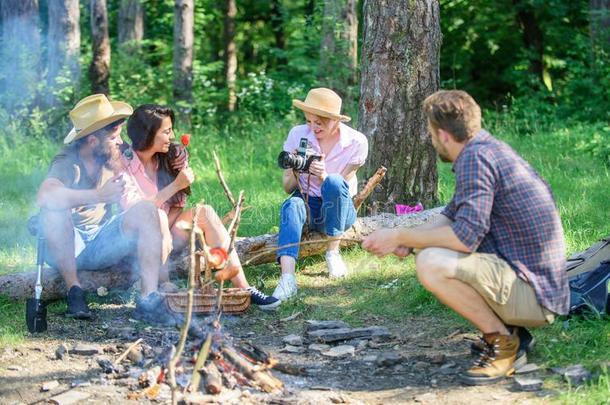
(287,160)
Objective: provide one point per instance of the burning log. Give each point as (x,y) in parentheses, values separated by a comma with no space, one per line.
(213,379)
(260,378)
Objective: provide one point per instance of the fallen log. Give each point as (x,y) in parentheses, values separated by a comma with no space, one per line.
(21,285)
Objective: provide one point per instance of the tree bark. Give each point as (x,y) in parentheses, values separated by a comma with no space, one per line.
(21,285)
(230,52)
(19,52)
(99,70)
(339,44)
(184,19)
(532,37)
(599,11)
(277,26)
(131,25)
(399,68)
(64,46)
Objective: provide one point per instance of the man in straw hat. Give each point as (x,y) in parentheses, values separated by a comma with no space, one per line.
(496,254)
(324,192)
(76,198)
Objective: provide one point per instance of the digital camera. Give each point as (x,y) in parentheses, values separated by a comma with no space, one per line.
(299,161)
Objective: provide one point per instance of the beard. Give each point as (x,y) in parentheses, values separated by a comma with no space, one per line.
(107,155)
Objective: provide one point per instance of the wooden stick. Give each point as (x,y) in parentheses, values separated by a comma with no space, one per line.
(223,183)
(189,312)
(202,356)
(126,352)
(264,380)
(369,187)
(213,380)
(235,223)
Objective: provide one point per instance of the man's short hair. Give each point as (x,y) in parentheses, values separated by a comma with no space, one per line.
(454,111)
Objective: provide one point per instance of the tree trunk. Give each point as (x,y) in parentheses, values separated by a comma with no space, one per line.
(400,67)
(131,25)
(230,52)
(19,52)
(277,25)
(599,11)
(21,285)
(339,44)
(99,71)
(532,37)
(184,19)
(64,46)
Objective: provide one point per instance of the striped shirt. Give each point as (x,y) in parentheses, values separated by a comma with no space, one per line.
(502,206)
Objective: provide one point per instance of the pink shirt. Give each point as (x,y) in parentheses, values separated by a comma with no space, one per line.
(138,185)
(352,149)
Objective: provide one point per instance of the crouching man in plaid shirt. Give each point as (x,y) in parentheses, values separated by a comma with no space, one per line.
(496,254)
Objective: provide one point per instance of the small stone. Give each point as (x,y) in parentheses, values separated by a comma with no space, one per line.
(106,365)
(135,355)
(49,385)
(14,367)
(339,399)
(293,340)
(70,397)
(318,347)
(80,383)
(388,359)
(438,358)
(85,350)
(61,351)
(370,358)
(102,291)
(340,351)
(292,349)
(420,365)
(528,368)
(528,384)
(312,325)
(576,374)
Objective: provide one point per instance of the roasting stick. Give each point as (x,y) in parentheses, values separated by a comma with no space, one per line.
(189,311)
(126,352)
(223,183)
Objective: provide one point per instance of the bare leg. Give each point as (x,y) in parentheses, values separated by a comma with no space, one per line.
(166,246)
(142,222)
(436,269)
(59,234)
(333,243)
(216,235)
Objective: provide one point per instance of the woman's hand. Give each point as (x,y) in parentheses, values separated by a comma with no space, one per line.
(318,168)
(179,160)
(185,178)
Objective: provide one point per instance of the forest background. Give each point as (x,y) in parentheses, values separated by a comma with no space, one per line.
(540,70)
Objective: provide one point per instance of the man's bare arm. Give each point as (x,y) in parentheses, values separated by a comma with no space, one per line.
(54,195)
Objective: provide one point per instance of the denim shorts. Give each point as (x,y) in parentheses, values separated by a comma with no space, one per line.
(104,245)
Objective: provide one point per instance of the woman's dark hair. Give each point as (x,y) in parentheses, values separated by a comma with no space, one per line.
(144,124)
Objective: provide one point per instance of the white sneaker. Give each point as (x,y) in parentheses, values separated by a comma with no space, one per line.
(334,263)
(286,287)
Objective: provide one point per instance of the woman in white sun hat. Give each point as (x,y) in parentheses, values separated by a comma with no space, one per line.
(321,193)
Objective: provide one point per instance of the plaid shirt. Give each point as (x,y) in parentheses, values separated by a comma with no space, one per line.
(502,206)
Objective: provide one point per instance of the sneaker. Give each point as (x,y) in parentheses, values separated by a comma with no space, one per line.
(526,345)
(286,287)
(263,301)
(77,304)
(334,263)
(154,310)
(495,362)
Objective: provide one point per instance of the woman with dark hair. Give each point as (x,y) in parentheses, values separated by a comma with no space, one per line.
(159,172)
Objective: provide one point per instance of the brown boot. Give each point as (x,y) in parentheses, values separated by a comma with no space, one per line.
(495,362)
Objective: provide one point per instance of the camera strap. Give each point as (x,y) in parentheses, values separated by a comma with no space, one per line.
(306,194)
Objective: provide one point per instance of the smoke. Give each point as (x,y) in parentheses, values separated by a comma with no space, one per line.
(19,58)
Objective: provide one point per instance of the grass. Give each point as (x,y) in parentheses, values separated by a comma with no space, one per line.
(380,289)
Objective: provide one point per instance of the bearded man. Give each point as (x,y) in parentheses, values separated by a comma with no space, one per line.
(76,200)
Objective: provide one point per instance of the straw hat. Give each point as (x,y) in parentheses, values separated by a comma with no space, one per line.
(322,102)
(93,113)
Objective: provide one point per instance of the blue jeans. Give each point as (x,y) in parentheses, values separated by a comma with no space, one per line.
(332,214)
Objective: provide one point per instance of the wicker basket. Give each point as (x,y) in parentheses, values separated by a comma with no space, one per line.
(234,301)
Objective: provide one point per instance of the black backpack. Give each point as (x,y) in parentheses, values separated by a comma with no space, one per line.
(589,277)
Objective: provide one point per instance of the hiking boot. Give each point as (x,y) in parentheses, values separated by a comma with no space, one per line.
(334,263)
(77,304)
(526,345)
(153,309)
(286,287)
(263,301)
(495,362)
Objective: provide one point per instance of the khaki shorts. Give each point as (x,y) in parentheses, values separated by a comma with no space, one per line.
(511,298)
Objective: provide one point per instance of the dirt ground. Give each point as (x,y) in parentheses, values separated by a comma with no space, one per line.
(423,370)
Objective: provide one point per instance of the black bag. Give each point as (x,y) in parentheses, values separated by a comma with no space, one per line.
(589,275)
(591,290)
